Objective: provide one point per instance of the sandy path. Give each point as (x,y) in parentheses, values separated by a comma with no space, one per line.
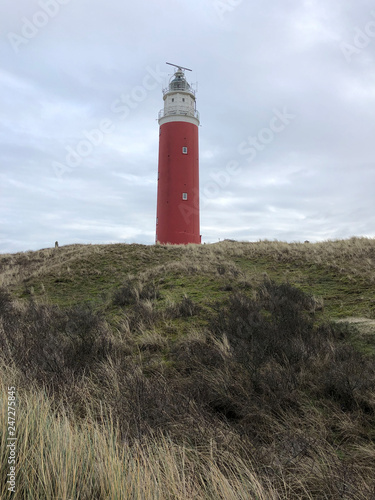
(364,325)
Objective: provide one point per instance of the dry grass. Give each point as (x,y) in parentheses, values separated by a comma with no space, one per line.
(193,376)
(340,272)
(60,459)
(354,257)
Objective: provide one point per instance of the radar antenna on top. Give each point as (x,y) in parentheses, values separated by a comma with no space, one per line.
(179,67)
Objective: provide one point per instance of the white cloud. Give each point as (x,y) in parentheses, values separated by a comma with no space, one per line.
(313,181)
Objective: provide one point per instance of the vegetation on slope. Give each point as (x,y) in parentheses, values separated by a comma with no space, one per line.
(209,371)
(342,272)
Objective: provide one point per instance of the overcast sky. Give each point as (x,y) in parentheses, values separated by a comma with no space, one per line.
(286,95)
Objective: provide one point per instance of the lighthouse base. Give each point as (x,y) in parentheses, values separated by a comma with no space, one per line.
(179,239)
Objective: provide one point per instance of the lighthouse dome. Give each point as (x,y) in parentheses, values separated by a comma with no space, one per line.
(179,100)
(179,82)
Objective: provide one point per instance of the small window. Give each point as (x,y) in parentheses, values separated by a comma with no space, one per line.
(184,150)
(184,196)
(183,99)
(172,99)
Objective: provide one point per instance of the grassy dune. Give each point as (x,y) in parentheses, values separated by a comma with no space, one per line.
(343,272)
(224,371)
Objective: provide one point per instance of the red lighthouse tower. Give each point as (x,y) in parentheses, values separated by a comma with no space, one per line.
(177,216)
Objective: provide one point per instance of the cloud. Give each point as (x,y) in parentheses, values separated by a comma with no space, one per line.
(313,180)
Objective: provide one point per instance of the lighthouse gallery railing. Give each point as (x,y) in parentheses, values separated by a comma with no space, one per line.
(178,111)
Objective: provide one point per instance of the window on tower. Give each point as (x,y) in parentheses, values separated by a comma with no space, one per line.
(184,196)
(184,150)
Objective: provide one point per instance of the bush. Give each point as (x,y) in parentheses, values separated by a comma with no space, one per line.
(278,325)
(5,301)
(350,380)
(142,316)
(50,345)
(134,291)
(128,294)
(89,338)
(284,352)
(185,308)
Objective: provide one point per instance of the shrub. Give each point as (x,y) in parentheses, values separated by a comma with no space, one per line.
(89,338)
(128,294)
(350,380)
(142,316)
(185,308)
(5,301)
(50,345)
(134,291)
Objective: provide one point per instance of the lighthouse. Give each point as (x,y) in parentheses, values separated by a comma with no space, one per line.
(177,213)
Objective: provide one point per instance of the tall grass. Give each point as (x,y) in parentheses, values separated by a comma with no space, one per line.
(60,459)
(192,378)
(352,257)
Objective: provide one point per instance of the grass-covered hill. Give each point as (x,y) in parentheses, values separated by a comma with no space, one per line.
(224,371)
